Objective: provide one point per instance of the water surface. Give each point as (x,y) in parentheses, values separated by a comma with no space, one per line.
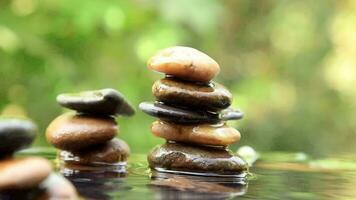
(274,176)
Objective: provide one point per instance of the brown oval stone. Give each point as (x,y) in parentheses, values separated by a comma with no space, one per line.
(203,134)
(23,173)
(187,158)
(175,92)
(111,152)
(74,132)
(185,63)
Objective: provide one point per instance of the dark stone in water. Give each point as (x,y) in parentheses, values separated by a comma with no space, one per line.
(100,102)
(176,186)
(211,96)
(186,158)
(15,134)
(111,152)
(178,115)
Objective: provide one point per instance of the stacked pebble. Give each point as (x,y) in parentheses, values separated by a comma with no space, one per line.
(192,111)
(87,137)
(26,178)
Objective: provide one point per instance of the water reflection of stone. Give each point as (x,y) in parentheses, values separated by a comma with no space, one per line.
(173,186)
(96,182)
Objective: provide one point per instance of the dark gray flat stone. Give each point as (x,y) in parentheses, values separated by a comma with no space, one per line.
(15,134)
(100,102)
(178,115)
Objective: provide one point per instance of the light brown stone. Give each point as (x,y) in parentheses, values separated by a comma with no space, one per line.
(185,63)
(204,134)
(74,132)
(23,173)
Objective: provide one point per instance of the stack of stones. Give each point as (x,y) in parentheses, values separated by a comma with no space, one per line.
(192,112)
(30,177)
(87,137)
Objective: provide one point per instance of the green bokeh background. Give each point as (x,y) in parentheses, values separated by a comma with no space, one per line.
(291,65)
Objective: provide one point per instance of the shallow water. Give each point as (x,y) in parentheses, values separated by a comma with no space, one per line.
(274,176)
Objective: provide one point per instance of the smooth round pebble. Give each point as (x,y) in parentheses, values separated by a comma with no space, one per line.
(74,132)
(202,134)
(178,115)
(211,96)
(187,158)
(15,134)
(58,187)
(23,173)
(101,102)
(185,63)
(111,152)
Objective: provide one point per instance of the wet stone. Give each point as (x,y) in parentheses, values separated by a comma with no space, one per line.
(186,158)
(211,96)
(111,152)
(185,63)
(23,173)
(178,115)
(75,132)
(202,134)
(98,102)
(15,134)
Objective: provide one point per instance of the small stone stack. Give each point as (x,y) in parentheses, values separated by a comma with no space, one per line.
(87,137)
(192,111)
(31,177)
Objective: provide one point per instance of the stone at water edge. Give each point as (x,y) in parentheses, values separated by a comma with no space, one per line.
(99,102)
(111,152)
(188,158)
(178,115)
(74,132)
(58,187)
(23,173)
(211,96)
(185,63)
(15,134)
(201,134)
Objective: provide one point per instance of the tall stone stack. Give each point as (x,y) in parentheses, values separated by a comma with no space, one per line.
(192,111)
(87,136)
(27,177)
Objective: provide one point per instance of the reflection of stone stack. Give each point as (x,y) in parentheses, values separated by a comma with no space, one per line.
(88,136)
(191,111)
(31,177)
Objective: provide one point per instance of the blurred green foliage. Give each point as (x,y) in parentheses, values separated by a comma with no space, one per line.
(291,65)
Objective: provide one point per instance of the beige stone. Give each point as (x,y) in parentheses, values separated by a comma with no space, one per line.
(185,63)
(23,173)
